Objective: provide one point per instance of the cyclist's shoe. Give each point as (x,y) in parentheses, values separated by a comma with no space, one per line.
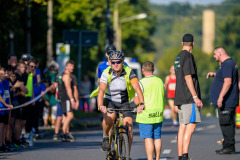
(55,137)
(65,139)
(105,144)
(70,137)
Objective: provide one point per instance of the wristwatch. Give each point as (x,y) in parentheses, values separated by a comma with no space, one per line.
(141,104)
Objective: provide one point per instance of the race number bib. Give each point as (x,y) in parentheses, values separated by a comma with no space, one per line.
(172,86)
(6,95)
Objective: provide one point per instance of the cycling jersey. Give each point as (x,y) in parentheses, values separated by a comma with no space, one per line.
(119,88)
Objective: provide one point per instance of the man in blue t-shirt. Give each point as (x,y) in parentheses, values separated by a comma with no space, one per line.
(224,94)
(104,65)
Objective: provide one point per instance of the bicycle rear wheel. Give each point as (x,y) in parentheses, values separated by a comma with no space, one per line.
(123,147)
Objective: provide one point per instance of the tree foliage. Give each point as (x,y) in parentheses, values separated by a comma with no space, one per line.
(75,15)
(177,19)
(230,35)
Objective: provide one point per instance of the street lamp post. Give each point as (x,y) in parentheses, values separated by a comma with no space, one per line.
(117,24)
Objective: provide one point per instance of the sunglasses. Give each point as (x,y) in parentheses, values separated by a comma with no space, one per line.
(33,66)
(117,62)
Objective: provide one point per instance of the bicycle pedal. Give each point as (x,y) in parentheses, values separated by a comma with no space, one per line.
(110,157)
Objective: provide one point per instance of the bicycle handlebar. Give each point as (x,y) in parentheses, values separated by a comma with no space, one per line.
(134,110)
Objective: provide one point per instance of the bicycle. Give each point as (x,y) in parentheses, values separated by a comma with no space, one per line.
(118,139)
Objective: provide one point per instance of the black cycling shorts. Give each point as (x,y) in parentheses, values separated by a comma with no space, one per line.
(114,105)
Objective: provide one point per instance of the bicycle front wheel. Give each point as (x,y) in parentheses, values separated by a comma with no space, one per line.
(123,147)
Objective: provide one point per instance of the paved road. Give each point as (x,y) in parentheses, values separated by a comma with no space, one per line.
(87,145)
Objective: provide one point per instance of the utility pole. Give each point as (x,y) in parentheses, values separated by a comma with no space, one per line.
(28,27)
(107,23)
(49,30)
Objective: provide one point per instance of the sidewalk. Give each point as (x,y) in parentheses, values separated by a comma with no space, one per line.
(77,124)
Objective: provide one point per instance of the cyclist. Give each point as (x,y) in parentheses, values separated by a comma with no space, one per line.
(119,84)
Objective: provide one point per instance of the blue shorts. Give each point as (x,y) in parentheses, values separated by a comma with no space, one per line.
(150,130)
(59,109)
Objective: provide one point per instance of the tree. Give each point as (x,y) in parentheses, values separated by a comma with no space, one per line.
(230,38)
(73,15)
(90,15)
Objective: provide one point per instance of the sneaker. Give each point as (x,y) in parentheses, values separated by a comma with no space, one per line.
(65,139)
(3,148)
(55,137)
(61,135)
(70,137)
(7,148)
(46,126)
(24,143)
(105,144)
(217,151)
(11,147)
(17,144)
(227,151)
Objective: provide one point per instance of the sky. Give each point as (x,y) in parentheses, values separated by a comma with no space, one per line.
(192,2)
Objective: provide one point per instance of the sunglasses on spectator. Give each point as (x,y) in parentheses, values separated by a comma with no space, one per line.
(116,62)
(32,66)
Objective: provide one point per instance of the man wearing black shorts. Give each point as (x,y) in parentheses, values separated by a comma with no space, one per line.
(68,95)
(20,114)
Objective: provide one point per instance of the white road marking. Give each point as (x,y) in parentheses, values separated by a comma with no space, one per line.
(166,151)
(211,126)
(174,141)
(163,158)
(199,129)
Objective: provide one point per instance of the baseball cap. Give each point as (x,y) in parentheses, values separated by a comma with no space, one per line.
(110,48)
(187,38)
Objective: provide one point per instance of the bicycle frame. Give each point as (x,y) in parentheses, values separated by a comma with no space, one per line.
(116,131)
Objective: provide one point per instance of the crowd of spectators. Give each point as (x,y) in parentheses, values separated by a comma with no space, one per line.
(21,81)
